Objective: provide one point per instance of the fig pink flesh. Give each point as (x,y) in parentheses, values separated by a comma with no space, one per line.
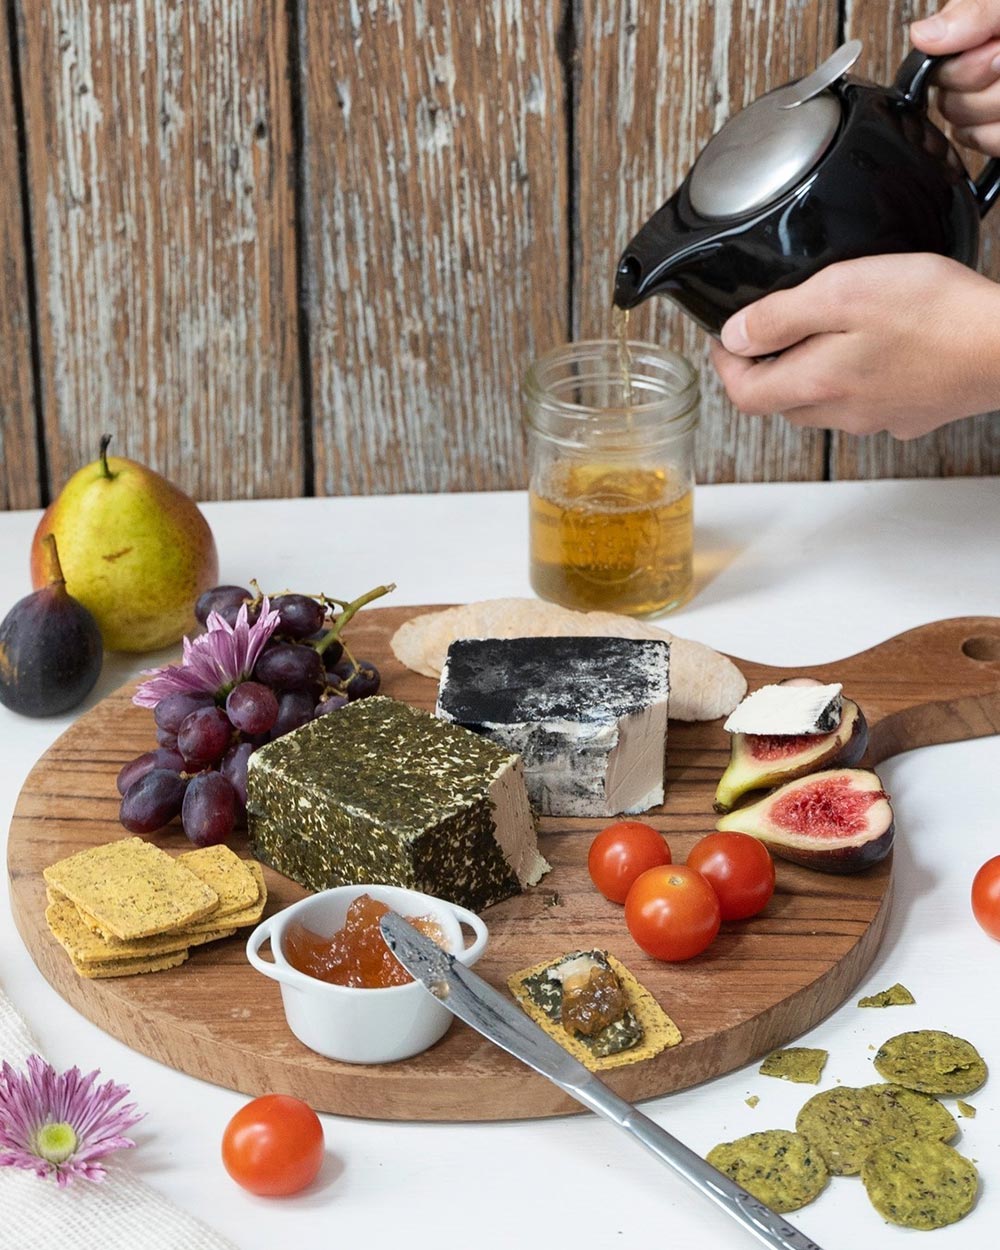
(831,809)
(763,747)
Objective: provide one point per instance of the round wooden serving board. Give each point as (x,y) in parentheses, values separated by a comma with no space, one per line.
(760,984)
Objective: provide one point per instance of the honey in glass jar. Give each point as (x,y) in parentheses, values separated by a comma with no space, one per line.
(611,489)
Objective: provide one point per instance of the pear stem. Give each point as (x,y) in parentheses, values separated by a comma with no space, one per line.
(50,561)
(105,441)
(354,606)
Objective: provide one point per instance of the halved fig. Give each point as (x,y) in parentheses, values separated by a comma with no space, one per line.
(839,820)
(759,761)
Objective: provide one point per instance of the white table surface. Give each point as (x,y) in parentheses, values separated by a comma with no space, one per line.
(787,574)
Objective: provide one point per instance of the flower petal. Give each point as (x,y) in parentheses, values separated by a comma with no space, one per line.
(40,1096)
(215,661)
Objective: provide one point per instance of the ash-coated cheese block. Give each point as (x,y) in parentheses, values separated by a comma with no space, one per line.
(788,709)
(587,715)
(380,793)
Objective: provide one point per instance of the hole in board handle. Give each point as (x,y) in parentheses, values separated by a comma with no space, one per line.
(984,647)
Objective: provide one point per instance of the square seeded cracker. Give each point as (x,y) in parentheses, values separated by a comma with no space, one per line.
(248,915)
(235,919)
(658,1030)
(230,877)
(132,888)
(130,967)
(86,947)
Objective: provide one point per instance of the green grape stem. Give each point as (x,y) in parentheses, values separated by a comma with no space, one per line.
(349,610)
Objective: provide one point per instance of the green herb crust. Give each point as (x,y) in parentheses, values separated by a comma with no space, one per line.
(381,792)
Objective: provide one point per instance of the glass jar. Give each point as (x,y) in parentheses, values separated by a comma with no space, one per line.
(610,449)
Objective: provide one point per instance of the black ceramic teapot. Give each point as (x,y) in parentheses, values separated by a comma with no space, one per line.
(825,169)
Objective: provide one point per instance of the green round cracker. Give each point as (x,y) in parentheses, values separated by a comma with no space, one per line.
(778,1167)
(932,1062)
(844,1125)
(920,1184)
(930,1118)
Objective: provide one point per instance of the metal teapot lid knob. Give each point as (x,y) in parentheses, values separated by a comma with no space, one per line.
(772,144)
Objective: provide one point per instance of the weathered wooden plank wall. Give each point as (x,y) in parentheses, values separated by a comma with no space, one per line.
(19,469)
(284,246)
(436,238)
(161,197)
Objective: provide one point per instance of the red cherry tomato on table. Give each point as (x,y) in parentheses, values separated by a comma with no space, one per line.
(739,869)
(672,912)
(623,852)
(273,1146)
(986,896)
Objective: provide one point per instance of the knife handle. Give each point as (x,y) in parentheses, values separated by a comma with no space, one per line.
(766,1225)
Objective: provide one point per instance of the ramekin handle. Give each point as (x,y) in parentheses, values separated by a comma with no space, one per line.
(470,954)
(255,941)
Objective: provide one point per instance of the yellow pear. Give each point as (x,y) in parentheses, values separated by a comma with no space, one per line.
(135,551)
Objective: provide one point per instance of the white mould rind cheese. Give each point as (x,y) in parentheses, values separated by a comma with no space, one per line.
(786,709)
(588,716)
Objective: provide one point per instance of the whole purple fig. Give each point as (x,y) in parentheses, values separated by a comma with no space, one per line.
(50,647)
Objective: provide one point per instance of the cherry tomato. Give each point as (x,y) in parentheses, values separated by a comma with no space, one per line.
(273,1145)
(672,912)
(986,896)
(739,869)
(623,852)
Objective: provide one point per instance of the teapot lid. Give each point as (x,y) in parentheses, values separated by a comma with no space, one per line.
(772,144)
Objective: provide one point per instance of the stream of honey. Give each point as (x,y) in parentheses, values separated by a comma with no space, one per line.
(619,323)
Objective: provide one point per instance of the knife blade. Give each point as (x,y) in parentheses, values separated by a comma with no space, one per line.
(478,1004)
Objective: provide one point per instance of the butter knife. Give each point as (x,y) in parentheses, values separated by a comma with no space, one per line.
(476,1002)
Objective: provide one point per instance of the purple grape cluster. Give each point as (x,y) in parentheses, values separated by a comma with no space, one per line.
(198,770)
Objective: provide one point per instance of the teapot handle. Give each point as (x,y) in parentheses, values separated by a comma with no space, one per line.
(912,81)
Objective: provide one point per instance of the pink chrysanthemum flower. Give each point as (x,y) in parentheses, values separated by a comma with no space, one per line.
(215,661)
(60,1125)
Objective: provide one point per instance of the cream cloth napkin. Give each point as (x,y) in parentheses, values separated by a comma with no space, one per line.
(120,1213)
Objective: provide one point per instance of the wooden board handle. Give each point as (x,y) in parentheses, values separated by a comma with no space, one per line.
(936,683)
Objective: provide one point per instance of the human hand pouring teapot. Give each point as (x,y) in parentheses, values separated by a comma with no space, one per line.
(824,169)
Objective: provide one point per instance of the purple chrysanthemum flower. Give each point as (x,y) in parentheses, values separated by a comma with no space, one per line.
(215,661)
(60,1125)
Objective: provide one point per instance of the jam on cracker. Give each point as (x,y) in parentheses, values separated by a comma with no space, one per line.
(591,1000)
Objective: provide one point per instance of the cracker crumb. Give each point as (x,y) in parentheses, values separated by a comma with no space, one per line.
(802,1064)
(895,996)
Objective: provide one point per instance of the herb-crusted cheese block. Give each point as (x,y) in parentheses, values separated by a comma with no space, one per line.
(587,715)
(788,709)
(379,792)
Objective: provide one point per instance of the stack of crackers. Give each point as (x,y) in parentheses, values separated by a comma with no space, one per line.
(128,907)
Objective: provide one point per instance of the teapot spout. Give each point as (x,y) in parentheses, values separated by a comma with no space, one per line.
(655,261)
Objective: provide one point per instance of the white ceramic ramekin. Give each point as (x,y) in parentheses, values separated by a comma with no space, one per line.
(358,1025)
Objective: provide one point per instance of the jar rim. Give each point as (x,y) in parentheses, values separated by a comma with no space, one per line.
(679,402)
